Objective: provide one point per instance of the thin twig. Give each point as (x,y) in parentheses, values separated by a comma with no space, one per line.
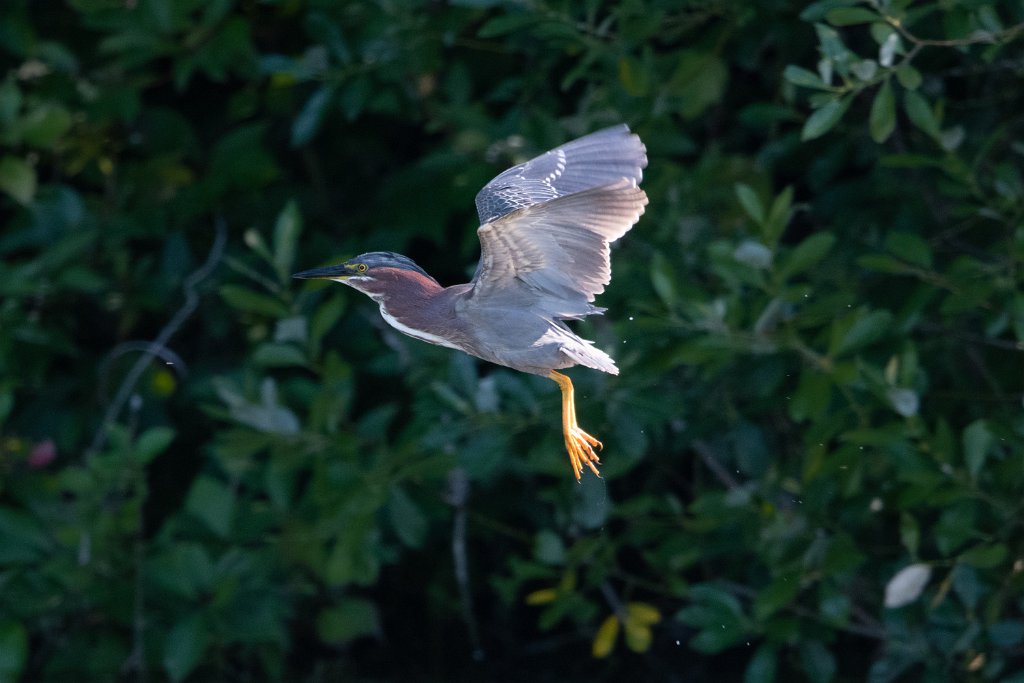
(705,453)
(458,493)
(155,348)
(990,37)
(614,601)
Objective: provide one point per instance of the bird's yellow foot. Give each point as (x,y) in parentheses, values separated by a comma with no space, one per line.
(578,443)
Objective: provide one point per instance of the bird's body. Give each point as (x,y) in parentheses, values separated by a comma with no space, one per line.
(545,230)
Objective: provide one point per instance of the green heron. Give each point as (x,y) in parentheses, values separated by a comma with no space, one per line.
(545,227)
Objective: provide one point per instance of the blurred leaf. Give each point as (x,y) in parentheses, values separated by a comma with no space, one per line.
(762,666)
(804,78)
(13,650)
(240,161)
(548,547)
(44,125)
(986,556)
(778,594)
(272,355)
(883,113)
(910,248)
(286,235)
(663,280)
(25,541)
(604,640)
(184,647)
(817,661)
(18,179)
(920,113)
(866,329)
(213,503)
(848,16)
(352,618)
(244,299)
(307,123)
(906,585)
(699,81)
(825,118)
(750,202)
(806,254)
(406,518)
(977,441)
(909,77)
(153,442)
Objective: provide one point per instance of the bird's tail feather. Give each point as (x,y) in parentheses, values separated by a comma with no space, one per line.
(591,356)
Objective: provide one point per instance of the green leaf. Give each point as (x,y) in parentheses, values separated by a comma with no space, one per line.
(848,16)
(804,78)
(24,540)
(44,125)
(910,248)
(240,160)
(406,518)
(986,556)
(920,113)
(699,81)
(777,595)
(977,441)
(750,202)
(287,229)
(779,216)
(548,547)
(153,442)
(351,619)
(307,123)
(327,314)
(185,646)
(867,329)
(882,119)
(817,661)
(273,355)
(663,279)
(762,666)
(244,299)
(806,254)
(213,503)
(18,179)
(908,76)
(825,118)
(13,650)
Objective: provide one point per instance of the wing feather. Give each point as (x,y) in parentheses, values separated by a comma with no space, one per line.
(588,162)
(554,256)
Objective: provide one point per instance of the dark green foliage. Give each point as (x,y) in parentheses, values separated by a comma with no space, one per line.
(814,455)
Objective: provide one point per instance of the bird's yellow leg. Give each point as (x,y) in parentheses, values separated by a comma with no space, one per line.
(578,443)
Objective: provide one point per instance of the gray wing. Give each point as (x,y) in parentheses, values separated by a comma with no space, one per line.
(594,160)
(553,257)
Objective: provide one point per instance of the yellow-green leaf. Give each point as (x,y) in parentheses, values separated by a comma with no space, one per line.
(604,641)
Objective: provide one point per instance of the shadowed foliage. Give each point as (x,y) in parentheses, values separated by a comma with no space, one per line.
(814,453)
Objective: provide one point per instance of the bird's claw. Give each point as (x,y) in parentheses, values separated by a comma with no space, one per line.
(581,451)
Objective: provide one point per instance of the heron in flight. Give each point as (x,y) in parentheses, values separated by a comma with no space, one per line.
(545,230)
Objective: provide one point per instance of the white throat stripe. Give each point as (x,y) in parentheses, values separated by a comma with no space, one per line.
(416,334)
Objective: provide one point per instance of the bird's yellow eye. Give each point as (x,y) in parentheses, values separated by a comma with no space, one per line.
(361,268)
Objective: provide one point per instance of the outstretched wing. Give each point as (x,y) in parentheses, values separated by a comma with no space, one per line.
(553,257)
(594,160)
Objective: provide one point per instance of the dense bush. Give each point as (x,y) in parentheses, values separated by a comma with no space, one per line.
(814,462)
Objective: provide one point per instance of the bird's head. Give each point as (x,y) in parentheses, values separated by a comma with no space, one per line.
(377,274)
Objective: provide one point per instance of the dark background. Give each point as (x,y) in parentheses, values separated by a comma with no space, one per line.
(814,454)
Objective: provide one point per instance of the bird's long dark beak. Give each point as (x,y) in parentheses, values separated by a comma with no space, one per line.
(326,273)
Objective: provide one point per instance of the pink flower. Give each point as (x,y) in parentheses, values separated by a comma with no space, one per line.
(43,453)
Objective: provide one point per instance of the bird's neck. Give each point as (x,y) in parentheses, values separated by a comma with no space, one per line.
(397,288)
